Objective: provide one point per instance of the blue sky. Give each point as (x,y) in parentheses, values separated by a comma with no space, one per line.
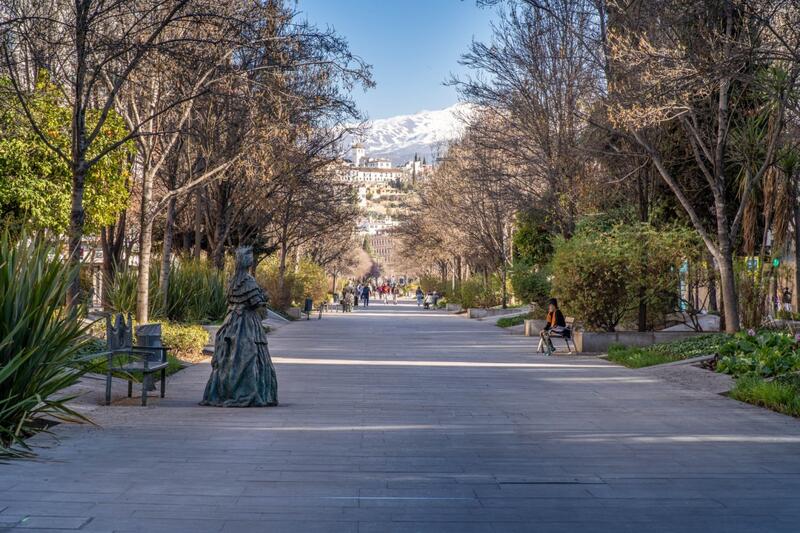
(413,46)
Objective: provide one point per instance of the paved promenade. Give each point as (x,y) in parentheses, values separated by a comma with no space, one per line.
(395,419)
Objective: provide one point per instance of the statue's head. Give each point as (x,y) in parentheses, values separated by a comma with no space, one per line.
(244,258)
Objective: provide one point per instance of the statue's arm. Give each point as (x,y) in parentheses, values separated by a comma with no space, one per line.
(257,299)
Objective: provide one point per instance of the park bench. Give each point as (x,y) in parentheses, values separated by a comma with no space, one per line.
(147,357)
(566,334)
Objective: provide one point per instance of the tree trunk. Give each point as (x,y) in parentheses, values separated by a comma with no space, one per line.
(796,244)
(76,223)
(111,239)
(453,276)
(145,248)
(77,217)
(505,285)
(282,296)
(198,223)
(296,265)
(220,234)
(771,291)
(166,256)
(642,312)
(713,306)
(730,302)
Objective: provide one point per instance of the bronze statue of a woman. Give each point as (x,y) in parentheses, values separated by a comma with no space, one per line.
(242,374)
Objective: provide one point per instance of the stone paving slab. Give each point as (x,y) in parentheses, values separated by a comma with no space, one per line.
(399,419)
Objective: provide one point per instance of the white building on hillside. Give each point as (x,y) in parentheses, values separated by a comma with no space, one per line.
(359,153)
(363,169)
(374,226)
(380,162)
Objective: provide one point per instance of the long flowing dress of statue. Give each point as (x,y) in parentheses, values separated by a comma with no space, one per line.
(242,374)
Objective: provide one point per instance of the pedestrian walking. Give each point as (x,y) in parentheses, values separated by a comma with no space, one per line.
(420,296)
(365,295)
(787,300)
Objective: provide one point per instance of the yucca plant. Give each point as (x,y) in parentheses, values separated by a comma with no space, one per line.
(121,292)
(40,339)
(196,292)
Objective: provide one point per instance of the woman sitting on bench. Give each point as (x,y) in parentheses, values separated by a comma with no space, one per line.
(556,324)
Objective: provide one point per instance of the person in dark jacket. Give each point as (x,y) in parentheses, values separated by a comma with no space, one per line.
(365,294)
(555,323)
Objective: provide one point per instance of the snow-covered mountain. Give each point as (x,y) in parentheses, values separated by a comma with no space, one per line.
(425,133)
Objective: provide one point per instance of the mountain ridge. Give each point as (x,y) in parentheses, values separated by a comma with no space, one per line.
(423,133)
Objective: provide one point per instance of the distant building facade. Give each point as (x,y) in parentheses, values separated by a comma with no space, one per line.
(364,169)
(383,247)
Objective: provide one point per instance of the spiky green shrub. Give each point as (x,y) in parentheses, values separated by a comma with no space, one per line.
(40,339)
(196,293)
(121,291)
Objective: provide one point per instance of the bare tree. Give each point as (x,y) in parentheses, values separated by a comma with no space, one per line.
(704,68)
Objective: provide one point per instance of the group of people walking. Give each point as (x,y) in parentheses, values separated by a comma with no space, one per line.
(427,300)
(361,293)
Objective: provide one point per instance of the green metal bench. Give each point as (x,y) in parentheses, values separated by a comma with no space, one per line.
(147,357)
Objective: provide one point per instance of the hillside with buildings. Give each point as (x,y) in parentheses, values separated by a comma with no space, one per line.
(383,191)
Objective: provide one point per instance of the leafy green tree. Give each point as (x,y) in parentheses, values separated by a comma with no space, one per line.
(533,242)
(601,276)
(533,249)
(306,280)
(531,285)
(36,184)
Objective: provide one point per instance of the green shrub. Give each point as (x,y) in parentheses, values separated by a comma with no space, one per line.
(121,291)
(40,339)
(510,321)
(196,293)
(474,293)
(531,285)
(667,352)
(433,283)
(765,354)
(600,276)
(308,280)
(786,315)
(533,240)
(186,341)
